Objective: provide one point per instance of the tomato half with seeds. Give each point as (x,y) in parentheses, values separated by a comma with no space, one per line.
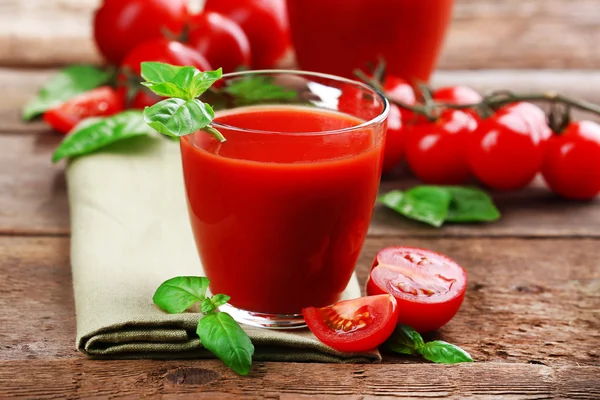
(429,287)
(354,325)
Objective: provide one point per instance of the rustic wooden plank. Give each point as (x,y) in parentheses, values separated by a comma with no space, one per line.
(527,301)
(484,34)
(209,379)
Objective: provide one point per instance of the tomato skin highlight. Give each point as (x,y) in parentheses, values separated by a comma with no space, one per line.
(100,102)
(436,151)
(160,50)
(121,25)
(220,40)
(572,161)
(371,321)
(457,95)
(423,311)
(264,22)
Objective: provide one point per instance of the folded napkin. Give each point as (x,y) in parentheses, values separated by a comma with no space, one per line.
(130,232)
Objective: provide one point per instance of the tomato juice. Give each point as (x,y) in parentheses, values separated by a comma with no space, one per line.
(281,209)
(337,36)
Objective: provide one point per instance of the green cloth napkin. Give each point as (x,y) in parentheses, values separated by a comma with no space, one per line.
(130,232)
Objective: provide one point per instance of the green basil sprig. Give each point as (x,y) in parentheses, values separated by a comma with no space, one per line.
(406,340)
(65,85)
(182,113)
(257,88)
(435,205)
(218,331)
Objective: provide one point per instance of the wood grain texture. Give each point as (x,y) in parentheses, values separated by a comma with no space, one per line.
(208,379)
(484,34)
(528,301)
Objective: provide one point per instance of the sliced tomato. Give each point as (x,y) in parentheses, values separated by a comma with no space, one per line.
(354,325)
(428,286)
(102,101)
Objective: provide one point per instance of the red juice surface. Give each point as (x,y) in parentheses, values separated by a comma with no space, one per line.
(337,36)
(279,218)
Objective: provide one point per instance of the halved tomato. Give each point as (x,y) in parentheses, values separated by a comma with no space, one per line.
(354,325)
(428,286)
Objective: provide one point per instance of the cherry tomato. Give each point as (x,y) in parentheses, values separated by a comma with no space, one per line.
(428,286)
(399,90)
(436,151)
(354,325)
(572,161)
(457,95)
(265,23)
(162,50)
(220,40)
(506,150)
(102,101)
(121,25)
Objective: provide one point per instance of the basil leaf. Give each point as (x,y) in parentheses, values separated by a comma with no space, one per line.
(178,294)
(470,205)
(210,304)
(178,117)
(223,337)
(173,81)
(405,340)
(255,89)
(427,204)
(442,352)
(63,86)
(93,134)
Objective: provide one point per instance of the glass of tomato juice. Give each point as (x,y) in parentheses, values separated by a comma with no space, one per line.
(280,210)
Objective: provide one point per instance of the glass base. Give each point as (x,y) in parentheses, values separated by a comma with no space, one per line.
(262,320)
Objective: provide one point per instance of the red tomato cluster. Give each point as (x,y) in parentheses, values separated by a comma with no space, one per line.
(504,151)
(227,34)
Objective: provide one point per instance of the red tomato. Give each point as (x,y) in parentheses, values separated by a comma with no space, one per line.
(220,40)
(265,23)
(102,101)
(428,286)
(572,161)
(506,150)
(436,151)
(121,25)
(398,90)
(534,116)
(161,50)
(354,325)
(457,95)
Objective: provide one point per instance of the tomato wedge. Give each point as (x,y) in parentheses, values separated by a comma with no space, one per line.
(354,325)
(428,286)
(102,101)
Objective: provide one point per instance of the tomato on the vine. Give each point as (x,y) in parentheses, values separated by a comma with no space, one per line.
(220,40)
(428,286)
(506,150)
(121,25)
(457,95)
(354,325)
(99,102)
(161,50)
(436,151)
(535,117)
(264,22)
(571,165)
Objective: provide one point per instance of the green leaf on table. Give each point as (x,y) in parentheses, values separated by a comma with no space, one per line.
(179,117)
(258,88)
(224,337)
(470,205)
(65,85)
(405,340)
(210,304)
(95,133)
(429,204)
(442,352)
(178,294)
(174,81)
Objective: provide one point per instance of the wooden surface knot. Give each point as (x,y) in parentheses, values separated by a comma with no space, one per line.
(192,376)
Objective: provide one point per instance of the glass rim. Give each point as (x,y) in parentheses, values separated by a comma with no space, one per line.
(373,121)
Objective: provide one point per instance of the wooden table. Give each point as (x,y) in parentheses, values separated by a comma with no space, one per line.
(531,317)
